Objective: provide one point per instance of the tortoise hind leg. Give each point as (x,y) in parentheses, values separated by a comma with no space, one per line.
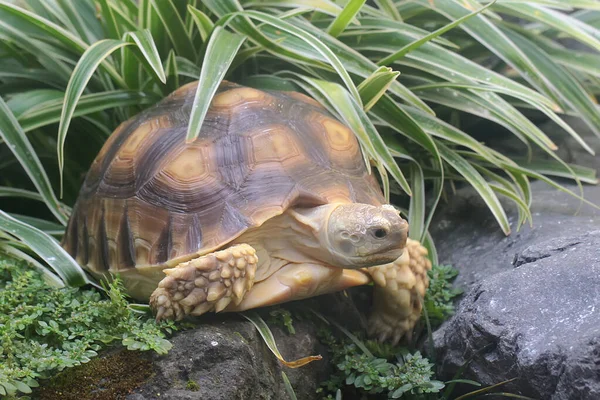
(205,283)
(399,288)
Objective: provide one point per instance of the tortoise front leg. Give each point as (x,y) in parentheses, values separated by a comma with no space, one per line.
(206,283)
(399,288)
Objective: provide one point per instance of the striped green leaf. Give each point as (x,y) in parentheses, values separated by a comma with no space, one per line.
(220,52)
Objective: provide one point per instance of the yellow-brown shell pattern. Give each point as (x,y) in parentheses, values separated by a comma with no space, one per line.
(150,198)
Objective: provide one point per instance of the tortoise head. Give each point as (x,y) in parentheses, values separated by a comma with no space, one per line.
(362,235)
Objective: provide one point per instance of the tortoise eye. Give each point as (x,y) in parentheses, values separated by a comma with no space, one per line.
(380,233)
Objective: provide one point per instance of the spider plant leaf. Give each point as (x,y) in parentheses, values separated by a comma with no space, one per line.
(49,277)
(557,20)
(175,28)
(388,7)
(267,336)
(416,210)
(354,62)
(339,24)
(124,21)
(288,386)
(227,9)
(445,64)
(576,60)
(327,7)
(481,102)
(15,71)
(47,248)
(85,68)
(6,191)
(553,168)
(172,72)
(409,47)
(23,102)
(12,133)
(203,23)
(389,112)
(54,31)
(302,51)
(74,11)
(375,86)
(113,29)
(45,54)
(416,33)
(48,227)
(564,85)
(465,169)
(492,37)
(49,112)
(145,43)
(220,52)
(313,41)
(187,68)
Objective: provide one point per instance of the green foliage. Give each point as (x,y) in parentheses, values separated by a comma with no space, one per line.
(44,330)
(192,385)
(283,317)
(391,373)
(439,299)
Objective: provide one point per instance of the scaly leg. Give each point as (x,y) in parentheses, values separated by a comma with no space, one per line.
(205,283)
(399,288)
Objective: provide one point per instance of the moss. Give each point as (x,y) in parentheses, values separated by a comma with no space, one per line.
(192,385)
(111,377)
(241,337)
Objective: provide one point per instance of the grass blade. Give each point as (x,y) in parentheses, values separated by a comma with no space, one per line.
(220,52)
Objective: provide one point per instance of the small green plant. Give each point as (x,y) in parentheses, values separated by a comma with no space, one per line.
(44,330)
(282,317)
(404,374)
(439,300)
(192,385)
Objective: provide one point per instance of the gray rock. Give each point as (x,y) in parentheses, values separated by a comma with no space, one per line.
(539,323)
(227,359)
(468,237)
(532,305)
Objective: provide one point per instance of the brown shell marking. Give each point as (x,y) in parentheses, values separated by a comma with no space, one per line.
(150,198)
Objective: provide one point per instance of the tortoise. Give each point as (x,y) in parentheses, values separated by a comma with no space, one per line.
(272,202)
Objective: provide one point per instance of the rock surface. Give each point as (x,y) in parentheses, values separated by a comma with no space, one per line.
(531,310)
(227,359)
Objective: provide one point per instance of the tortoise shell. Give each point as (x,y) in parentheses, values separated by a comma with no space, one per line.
(152,199)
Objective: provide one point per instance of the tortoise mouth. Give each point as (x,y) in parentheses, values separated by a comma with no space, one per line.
(379,258)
